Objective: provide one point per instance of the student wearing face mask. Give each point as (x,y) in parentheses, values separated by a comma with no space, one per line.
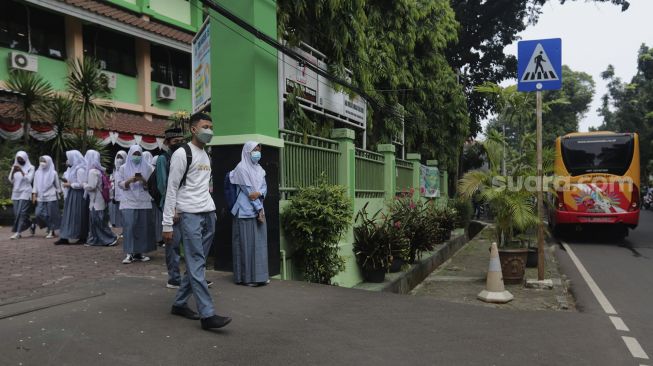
(74,224)
(249,232)
(21,177)
(136,206)
(174,139)
(45,194)
(115,216)
(189,198)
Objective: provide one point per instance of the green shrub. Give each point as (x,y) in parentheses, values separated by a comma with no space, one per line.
(415,220)
(314,223)
(464,210)
(377,240)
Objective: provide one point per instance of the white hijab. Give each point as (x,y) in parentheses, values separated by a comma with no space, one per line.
(44,178)
(93,161)
(130,169)
(116,164)
(25,168)
(77,162)
(246,172)
(147,157)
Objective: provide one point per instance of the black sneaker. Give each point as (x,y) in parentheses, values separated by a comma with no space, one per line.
(215,322)
(184,311)
(209,283)
(62,242)
(173,284)
(32,229)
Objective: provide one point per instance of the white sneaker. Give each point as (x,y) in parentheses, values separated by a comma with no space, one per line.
(142,258)
(50,235)
(15,236)
(128,259)
(113,243)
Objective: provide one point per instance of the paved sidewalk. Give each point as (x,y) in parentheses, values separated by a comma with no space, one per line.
(464,276)
(34,266)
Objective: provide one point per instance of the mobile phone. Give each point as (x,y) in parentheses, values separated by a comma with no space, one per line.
(138,174)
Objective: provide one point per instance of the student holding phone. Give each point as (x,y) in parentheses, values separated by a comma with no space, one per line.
(136,207)
(21,176)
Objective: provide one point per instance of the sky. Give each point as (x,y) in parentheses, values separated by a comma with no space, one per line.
(595,35)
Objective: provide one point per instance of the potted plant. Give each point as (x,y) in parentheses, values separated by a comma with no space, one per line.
(416,224)
(513,208)
(373,243)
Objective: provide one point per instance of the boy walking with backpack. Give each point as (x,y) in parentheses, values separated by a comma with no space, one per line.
(192,201)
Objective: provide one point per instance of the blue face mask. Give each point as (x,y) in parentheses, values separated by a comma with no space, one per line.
(256,156)
(136,159)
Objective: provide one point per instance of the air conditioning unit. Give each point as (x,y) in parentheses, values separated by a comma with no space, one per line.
(112,79)
(166,92)
(23,61)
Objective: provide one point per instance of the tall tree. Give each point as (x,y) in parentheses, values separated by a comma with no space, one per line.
(36,91)
(486,28)
(60,110)
(87,85)
(628,107)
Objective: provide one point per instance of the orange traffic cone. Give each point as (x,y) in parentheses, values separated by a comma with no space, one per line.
(494,291)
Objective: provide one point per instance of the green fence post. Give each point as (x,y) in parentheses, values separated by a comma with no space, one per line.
(347,159)
(444,183)
(416,159)
(389,171)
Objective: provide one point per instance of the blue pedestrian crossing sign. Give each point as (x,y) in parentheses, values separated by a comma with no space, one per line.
(539,65)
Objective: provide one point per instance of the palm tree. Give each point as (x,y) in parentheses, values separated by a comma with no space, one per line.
(87,85)
(513,207)
(35,90)
(60,111)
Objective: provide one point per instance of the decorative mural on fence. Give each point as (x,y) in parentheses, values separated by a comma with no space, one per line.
(429,181)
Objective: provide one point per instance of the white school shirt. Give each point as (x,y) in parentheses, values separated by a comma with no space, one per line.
(50,194)
(22,185)
(94,189)
(193,196)
(136,196)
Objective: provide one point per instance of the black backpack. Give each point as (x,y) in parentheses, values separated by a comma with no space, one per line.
(153,188)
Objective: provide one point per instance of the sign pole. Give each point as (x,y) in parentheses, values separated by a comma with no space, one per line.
(540,189)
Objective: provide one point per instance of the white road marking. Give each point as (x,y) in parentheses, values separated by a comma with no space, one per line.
(634,347)
(600,297)
(619,324)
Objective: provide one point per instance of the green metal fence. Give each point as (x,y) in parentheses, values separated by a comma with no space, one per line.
(304,159)
(404,175)
(369,174)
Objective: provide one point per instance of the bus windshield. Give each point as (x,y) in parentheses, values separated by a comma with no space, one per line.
(609,154)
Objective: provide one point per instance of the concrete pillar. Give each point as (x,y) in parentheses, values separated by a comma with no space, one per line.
(347,159)
(390,170)
(416,159)
(244,107)
(144,67)
(74,40)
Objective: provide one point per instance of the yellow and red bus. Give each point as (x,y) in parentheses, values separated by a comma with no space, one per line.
(597,181)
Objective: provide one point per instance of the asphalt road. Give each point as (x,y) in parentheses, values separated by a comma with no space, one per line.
(623,273)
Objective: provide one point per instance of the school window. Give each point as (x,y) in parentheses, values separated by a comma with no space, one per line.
(114,51)
(21,26)
(170,66)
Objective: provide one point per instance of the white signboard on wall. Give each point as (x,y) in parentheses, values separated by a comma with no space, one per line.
(202,67)
(297,73)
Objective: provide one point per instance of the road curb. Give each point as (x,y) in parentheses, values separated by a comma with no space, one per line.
(403,282)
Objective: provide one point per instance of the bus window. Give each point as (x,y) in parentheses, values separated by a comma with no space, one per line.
(609,154)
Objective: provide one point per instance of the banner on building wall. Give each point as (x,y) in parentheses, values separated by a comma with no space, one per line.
(296,73)
(201,59)
(429,181)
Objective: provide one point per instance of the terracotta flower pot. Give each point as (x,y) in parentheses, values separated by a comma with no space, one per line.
(513,264)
